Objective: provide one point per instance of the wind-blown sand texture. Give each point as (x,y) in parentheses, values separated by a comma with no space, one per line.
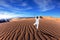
(25,30)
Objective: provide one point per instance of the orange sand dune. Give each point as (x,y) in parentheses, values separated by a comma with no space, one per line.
(52,18)
(16,19)
(19,19)
(25,30)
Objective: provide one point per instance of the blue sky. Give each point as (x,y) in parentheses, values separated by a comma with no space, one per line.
(29,8)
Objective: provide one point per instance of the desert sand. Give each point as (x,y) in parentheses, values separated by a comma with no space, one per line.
(17,29)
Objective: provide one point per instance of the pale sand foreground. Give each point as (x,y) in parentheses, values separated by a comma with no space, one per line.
(25,30)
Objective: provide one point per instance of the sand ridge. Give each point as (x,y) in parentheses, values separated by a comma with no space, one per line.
(25,30)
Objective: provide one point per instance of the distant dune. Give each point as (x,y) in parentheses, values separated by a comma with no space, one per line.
(23,29)
(19,19)
(52,18)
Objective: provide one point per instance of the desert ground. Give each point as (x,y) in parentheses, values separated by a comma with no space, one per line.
(23,29)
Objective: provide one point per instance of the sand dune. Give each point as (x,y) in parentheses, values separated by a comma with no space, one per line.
(25,30)
(51,18)
(15,19)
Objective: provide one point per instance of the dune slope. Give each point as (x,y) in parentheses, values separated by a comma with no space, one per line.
(25,30)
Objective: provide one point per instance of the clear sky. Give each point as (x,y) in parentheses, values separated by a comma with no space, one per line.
(29,8)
